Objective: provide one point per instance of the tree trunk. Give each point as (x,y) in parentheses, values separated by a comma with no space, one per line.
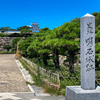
(71,61)
(45,55)
(25,54)
(8,49)
(56,58)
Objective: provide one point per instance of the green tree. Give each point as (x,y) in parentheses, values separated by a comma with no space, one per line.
(31,52)
(66,37)
(5,28)
(97,18)
(3,35)
(71,35)
(25,30)
(43,52)
(97,50)
(8,47)
(23,27)
(97,29)
(76,20)
(44,30)
(14,42)
(24,45)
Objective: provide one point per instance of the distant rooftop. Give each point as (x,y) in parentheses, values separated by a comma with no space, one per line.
(35,24)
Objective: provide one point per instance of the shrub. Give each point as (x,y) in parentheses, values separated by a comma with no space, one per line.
(2,35)
(8,47)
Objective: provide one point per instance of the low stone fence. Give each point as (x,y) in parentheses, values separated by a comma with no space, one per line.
(45,73)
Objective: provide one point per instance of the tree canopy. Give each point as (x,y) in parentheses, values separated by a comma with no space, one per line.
(23,27)
(63,40)
(8,47)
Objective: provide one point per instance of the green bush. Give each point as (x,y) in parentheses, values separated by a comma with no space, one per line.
(2,35)
(14,42)
(63,93)
(7,52)
(8,47)
(13,49)
(58,92)
(0,52)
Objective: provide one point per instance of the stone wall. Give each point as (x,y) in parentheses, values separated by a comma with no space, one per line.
(5,41)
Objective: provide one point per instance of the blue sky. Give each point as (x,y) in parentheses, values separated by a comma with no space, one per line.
(48,13)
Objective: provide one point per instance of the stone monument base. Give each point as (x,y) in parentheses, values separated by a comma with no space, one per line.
(77,93)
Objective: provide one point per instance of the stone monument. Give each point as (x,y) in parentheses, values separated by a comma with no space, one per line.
(88,52)
(87,90)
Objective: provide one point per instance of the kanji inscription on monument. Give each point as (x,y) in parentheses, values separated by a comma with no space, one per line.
(88,52)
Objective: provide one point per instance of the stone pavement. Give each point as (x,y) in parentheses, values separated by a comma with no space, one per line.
(12,82)
(27,96)
(11,79)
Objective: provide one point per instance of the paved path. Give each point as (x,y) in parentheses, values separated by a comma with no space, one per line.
(27,96)
(11,79)
(12,82)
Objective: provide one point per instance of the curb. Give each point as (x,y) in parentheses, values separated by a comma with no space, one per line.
(21,67)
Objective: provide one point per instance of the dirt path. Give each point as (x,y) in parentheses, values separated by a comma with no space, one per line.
(11,79)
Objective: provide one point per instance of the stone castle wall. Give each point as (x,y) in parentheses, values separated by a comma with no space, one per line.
(5,41)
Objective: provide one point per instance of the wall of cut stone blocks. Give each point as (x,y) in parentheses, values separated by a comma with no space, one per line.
(5,41)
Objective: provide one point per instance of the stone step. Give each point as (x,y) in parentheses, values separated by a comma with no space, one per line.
(29,80)
(25,72)
(41,94)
